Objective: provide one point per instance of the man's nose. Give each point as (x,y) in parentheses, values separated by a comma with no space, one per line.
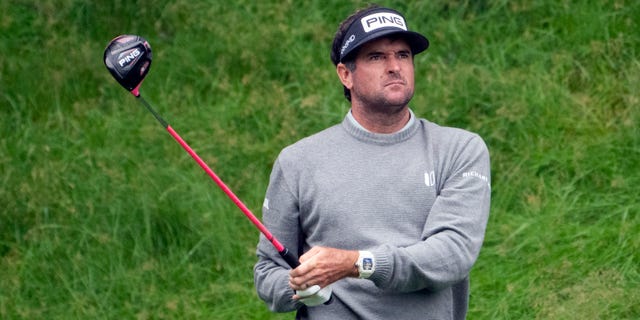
(393,63)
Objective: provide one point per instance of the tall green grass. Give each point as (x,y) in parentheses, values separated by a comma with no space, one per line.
(103,216)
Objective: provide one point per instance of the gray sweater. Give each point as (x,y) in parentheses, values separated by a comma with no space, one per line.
(418,200)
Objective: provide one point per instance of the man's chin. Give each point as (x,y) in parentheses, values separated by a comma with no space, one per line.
(399,99)
(388,102)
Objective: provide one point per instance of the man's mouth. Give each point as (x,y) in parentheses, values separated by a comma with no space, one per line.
(395,82)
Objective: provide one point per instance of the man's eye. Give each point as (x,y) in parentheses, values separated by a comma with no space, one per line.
(375,57)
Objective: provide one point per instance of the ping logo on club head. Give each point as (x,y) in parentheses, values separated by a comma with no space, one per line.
(129,57)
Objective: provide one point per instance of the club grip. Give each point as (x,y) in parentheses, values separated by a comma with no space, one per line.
(293,262)
(291,259)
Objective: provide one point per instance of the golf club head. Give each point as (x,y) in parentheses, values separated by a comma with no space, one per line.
(128,59)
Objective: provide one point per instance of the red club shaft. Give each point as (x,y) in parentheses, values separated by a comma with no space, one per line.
(226,190)
(288,256)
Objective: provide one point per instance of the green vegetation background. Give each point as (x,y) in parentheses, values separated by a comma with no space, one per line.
(103,216)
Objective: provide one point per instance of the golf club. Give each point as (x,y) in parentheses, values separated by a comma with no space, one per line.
(128,59)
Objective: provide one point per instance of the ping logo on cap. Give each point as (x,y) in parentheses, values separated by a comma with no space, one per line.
(382,19)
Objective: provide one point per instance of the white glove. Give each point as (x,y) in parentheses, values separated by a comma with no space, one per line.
(314,296)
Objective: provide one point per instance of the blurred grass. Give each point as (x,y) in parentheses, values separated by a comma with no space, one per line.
(103,216)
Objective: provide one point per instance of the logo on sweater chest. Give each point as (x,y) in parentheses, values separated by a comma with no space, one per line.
(430,178)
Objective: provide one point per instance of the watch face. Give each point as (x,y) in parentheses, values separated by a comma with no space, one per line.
(367,264)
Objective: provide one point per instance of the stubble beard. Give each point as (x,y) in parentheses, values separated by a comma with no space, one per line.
(381,104)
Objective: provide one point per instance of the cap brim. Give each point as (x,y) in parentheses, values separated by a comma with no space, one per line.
(416,41)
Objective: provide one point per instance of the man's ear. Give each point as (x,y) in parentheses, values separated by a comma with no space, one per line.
(345,75)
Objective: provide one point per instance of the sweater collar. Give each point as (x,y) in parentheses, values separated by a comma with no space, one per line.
(359,132)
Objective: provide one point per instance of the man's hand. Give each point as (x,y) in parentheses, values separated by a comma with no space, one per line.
(323,266)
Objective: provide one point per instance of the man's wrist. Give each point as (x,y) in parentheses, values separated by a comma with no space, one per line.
(353,271)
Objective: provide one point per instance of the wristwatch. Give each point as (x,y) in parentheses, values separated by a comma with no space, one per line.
(366,264)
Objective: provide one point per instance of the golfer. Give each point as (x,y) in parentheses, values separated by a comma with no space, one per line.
(387,211)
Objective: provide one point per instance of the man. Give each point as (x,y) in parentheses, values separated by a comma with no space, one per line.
(387,211)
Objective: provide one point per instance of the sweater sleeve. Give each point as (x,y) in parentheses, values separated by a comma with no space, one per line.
(271,272)
(454,230)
